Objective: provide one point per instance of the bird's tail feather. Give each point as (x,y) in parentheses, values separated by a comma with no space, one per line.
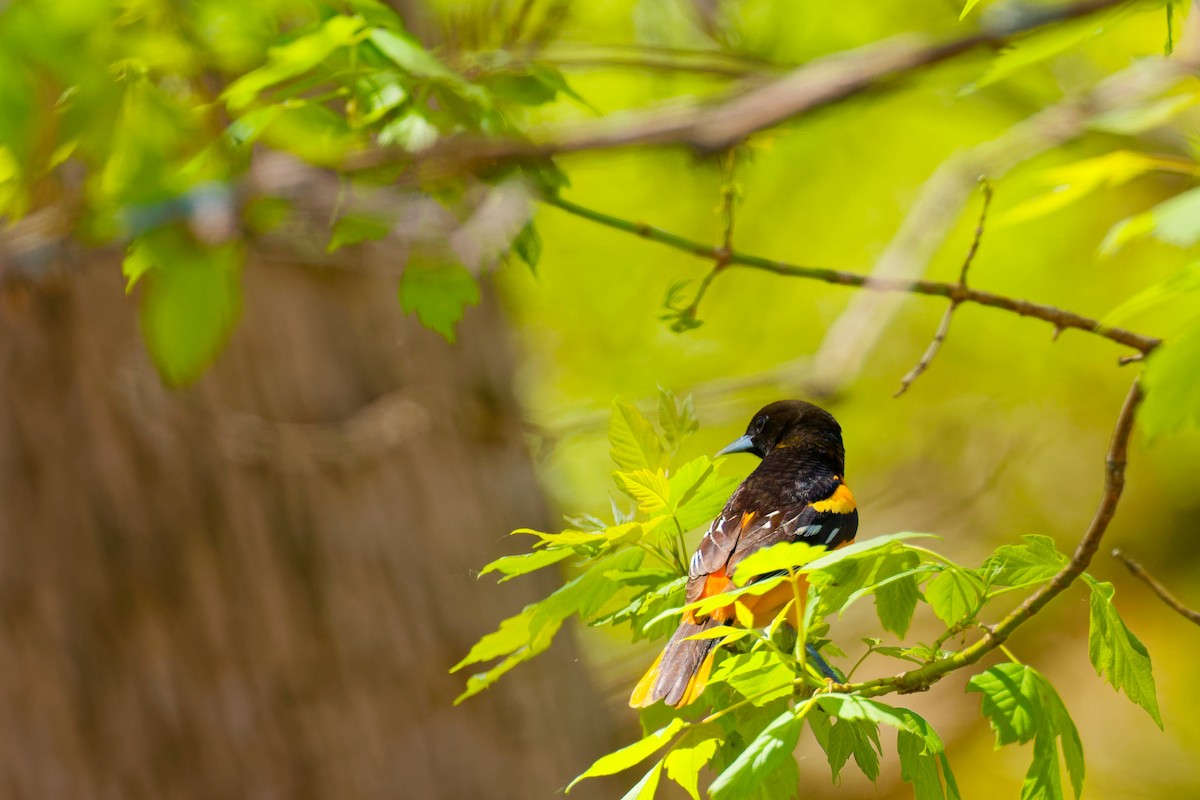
(680,672)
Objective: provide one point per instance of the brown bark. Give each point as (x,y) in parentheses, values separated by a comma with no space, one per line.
(254,587)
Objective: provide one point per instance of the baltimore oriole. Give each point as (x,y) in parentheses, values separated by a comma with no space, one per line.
(797,493)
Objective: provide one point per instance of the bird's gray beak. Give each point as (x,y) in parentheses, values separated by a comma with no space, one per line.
(742,445)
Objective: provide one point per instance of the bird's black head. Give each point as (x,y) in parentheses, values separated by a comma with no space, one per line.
(788,424)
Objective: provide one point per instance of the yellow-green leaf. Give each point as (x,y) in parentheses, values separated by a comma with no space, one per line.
(650,489)
(632,754)
(686,759)
(634,443)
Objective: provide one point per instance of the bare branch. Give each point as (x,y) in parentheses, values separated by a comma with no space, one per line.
(930,352)
(1163,593)
(944,326)
(1057,317)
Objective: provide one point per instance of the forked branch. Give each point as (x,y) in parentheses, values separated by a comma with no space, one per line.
(957,293)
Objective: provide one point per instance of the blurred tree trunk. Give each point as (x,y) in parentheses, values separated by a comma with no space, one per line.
(253,587)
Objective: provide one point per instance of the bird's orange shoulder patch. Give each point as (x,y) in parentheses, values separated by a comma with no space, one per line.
(840,502)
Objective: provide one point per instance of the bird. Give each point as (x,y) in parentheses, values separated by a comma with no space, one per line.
(797,493)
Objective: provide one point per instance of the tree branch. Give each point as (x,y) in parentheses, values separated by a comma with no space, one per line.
(720,125)
(995,636)
(957,293)
(937,207)
(1163,593)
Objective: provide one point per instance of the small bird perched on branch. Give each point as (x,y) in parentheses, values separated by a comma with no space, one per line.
(797,494)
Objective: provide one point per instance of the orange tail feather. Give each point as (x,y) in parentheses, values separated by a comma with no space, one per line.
(680,672)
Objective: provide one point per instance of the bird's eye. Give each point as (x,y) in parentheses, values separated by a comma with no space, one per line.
(759,424)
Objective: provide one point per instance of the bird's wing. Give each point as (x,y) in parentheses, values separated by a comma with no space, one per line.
(751,521)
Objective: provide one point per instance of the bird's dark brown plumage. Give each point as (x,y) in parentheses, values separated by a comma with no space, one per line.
(797,493)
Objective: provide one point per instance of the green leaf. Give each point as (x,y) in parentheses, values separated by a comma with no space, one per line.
(528,245)
(879,567)
(1172,401)
(1117,654)
(756,673)
(438,293)
(853,707)
(760,758)
(1125,232)
(722,632)
(515,639)
(1177,221)
(1016,565)
(632,754)
(706,605)
(1180,288)
(919,767)
(690,755)
(864,547)
(634,444)
(525,90)
(967,8)
(1022,706)
(355,228)
(293,59)
(412,132)
(379,94)
(785,556)
(512,634)
(896,596)
(588,593)
(699,492)
(408,54)
(647,611)
(650,489)
(376,12)
(313,133)
(857,737)
(1073,182)
(523,564)
(954,594)
(1173,221)
(552,77)
(1043,781)
(523,636)
(676,418)
(1059,721)
(952,792)
(1011,702)
(192,299)
(1040,46)
(647,786)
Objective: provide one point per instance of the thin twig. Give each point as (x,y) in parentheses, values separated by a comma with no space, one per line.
(944,326)
(1139,572)
(935,345)
(1057,317)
